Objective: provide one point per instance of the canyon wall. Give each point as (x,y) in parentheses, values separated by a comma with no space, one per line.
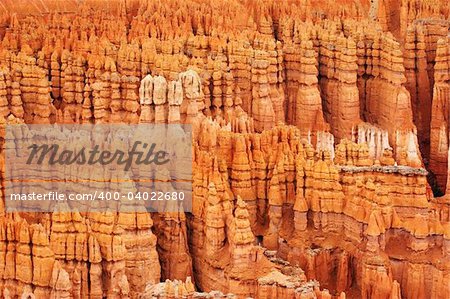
(320,132)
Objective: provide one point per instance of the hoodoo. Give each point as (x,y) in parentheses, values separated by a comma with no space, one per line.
(318,151)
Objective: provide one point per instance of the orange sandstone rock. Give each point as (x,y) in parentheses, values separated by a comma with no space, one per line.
(311,124)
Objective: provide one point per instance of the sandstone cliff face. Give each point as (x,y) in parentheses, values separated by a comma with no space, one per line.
(395,16)
(337,65)
(439,123)
(420,58)
(314,125)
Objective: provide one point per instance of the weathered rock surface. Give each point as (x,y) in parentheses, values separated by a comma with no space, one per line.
(439,138)
(316,125)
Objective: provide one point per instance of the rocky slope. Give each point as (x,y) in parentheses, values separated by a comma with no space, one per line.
(320,146)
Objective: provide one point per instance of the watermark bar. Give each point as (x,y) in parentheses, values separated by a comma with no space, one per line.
(101,167)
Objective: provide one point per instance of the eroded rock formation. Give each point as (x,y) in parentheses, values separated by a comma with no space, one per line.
(316,125)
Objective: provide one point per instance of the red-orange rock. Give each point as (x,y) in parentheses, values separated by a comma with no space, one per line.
(310,122)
